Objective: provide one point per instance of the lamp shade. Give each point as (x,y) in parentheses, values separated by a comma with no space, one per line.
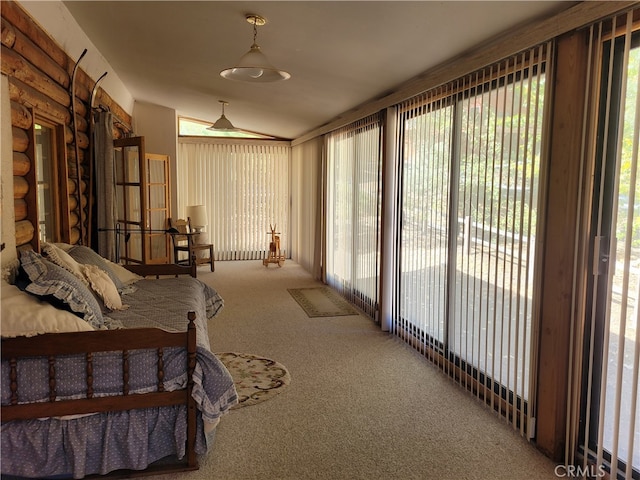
(253,66)
(197,215)
(223,123)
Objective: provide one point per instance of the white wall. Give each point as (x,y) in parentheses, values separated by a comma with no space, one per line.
(159,127)
(54,17)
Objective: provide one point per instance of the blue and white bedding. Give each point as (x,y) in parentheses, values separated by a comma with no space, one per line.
(100,443)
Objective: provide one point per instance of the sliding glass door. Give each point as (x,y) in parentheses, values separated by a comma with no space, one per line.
(470,172)
(353,212)
(610,418)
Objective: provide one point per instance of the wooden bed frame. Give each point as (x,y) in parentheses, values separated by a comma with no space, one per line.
(121,341)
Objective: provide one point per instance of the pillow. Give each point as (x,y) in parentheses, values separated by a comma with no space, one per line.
(102,285)
(126,276)
(10,270)
(64,246)
(86,256)
(62,259)
(25,315)
(49,280)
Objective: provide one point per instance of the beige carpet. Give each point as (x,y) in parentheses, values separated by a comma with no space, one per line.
(362,404)
(321,302)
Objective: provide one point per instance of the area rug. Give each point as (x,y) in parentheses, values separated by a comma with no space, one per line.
(321,302)
(256,378)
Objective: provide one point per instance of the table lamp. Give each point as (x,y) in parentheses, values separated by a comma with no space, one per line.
(197,216)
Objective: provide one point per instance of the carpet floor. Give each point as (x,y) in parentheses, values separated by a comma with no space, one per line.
(361,405)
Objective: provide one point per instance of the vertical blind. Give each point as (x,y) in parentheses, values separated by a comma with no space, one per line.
(603,435)
(354,172)
(245,188)
(470,159)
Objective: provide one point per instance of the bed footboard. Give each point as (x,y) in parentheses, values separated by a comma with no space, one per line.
(50,346)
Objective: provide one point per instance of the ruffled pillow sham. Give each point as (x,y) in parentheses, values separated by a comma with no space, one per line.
(56,285)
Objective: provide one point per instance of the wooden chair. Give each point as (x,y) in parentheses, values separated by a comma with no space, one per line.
(186,240)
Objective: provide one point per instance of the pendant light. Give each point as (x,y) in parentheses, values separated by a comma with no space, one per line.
(223,122)
(253,66)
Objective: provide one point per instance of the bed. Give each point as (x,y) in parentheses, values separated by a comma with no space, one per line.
(136,391)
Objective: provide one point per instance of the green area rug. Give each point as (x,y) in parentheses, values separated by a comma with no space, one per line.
(256,378)
(322,302)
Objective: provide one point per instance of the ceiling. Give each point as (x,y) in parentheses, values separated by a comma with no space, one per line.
(340,53)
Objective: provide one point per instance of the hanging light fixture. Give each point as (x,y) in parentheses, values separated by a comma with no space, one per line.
(253,66)
(223,122)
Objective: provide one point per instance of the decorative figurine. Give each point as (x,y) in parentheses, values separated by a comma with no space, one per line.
(275,254)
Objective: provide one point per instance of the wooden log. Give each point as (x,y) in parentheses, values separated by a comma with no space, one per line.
(83,124)
(24,232)
(37,57)
(7,34)
(20,116)
(21,20)
(20,209)
(83,94)
(102,98)
(71,186)
(73,219)
(83,138)
(20,187)
(24,94)
(14,65)
(20,140)
(71,157)
(81,109)
(71,170)
(74,236)
(72,202)
(21,164)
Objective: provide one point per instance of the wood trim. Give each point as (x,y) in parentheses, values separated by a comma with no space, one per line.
(560,242)
(62,167)
(494,50)
(161,270)
(90,405)
(31,197)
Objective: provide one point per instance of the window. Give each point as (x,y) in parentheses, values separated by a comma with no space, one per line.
(353,212)
(610,411)
(470,166)
(190,127)
(47,182)
(245,187)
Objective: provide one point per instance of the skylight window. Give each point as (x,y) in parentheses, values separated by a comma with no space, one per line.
(190,127)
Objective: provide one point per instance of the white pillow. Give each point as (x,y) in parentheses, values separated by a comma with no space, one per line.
(24,315)
(101,284)
(126,276)
(61,258)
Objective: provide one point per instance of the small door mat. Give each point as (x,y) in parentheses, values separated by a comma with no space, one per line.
(322,302)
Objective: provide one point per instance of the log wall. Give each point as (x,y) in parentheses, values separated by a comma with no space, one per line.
(39,74)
